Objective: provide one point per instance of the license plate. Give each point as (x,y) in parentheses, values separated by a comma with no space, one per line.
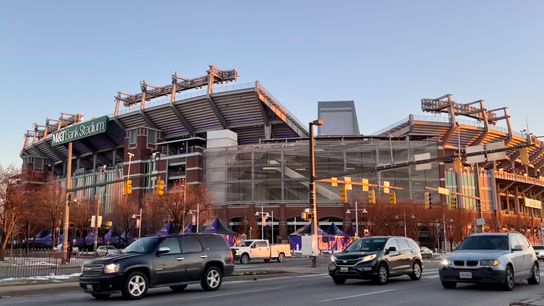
(344,269)
(465,274)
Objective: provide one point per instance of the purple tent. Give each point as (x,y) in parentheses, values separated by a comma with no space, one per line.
(89,239)
(217,227)
(295,241)
(189,229)
(112,237)
(167,229)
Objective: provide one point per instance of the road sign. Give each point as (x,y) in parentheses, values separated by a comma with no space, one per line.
(444,191)
(80,131)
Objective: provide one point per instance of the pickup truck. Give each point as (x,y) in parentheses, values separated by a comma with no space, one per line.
(260,249)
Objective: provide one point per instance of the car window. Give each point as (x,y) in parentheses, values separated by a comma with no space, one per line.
(403,244)
(190,244)
(143,245)
(214,243)
(538,247)
(367,245)
(172,243)
(261,244)
(485,242)
(521,240)
(392,243)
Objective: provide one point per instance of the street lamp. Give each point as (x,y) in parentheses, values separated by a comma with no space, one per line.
(191,211)
(364,211)
(98,218)
(138,222)
(311,189)
(265,215)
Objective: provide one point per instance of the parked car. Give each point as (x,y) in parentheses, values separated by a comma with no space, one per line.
(173,261)
(107,250)
(59,249)
(377,258)
(539,250)
(501,258)
(426,253)
(260,249)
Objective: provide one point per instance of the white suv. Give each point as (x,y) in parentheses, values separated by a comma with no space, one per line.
(107,250)
(491,258)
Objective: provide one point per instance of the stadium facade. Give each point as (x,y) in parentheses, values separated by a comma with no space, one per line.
(251,152)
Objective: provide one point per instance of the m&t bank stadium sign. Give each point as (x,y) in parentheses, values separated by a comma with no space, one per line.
(80,131)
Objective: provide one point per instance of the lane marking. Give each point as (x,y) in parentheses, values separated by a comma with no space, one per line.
(276,278)
(237,293)
(357,295)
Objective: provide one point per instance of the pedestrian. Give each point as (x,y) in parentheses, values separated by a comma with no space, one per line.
(69,252)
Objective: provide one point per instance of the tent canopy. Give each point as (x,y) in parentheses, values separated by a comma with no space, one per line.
(307,230)
(335,231)
(217,227)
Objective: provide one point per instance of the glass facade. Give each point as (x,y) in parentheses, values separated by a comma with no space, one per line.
(275,173)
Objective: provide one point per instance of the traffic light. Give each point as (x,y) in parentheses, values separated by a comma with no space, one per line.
(393,198)
(365,185)
(453,202)
(344,195)
(372,196)
(306,215)
(127,188)
(347,183)
(427,200)
(386,187)
(160,187)
(334,181)
(457,165)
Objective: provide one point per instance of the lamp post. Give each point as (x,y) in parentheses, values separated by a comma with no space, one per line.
(264,215)
(191,211)
(97,216)
(138,222)
(311,189)
(365,213)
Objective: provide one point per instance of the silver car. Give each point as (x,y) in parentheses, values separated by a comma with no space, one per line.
(501,258)
(539,250)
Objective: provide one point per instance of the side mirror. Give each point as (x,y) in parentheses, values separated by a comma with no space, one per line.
(391,249)
(517,248)
(163,250)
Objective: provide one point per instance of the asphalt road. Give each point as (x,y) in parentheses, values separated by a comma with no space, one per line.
(300,288)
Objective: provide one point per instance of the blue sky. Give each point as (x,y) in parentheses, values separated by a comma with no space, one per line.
(72,56)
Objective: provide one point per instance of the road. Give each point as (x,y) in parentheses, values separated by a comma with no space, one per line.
(312,288)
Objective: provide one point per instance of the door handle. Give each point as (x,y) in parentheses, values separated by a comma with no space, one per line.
(204,256)
(180,258)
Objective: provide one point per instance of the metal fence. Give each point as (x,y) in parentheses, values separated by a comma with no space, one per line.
(22,263)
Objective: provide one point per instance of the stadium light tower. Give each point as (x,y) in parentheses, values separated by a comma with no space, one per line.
(311,190)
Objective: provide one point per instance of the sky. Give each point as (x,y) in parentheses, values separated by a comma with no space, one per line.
(73,56)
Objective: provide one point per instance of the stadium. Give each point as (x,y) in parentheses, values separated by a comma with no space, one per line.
(252,155)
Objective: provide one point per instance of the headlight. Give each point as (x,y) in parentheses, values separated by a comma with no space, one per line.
(445,262)
(368,258)
(111,268)
(490,262)
(333,258)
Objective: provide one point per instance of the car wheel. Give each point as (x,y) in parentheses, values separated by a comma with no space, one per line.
(383,274)
(535,275)
(449,285)
(416,271)
(281,257)
(508,283)
(244,259)
(101,296)
(339,280)
(211,279)
(135,286)
(178,288)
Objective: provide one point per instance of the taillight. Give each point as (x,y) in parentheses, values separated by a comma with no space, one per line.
(231,255)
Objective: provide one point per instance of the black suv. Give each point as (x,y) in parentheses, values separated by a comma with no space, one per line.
(174,261)
(377,258)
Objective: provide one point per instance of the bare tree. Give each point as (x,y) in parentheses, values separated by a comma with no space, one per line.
(50,204)
(13,205)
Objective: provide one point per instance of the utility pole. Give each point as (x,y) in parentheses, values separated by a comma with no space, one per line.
(66,227)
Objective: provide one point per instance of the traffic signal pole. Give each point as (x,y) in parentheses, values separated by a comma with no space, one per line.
(66,227)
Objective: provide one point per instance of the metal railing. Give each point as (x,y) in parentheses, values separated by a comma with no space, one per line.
(22,263)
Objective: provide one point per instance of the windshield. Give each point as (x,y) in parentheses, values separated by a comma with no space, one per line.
(485,243)
(538,247)
(367,245)
(140,246)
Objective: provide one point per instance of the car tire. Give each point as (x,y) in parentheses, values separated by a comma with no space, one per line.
(508,282)
(135,286)
(449,285)
(281,257)
(211,279)
(267,260)
(535,275)
(416,271)
(178,288)
(383,274)
(244,259)
(339,280)
(101,296)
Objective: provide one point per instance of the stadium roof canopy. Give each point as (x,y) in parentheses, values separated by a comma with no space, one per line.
(243,108)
